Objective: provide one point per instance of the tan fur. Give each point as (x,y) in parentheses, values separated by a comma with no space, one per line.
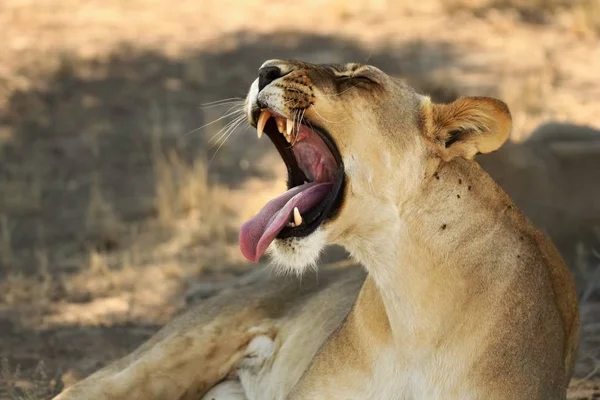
(552,177)
(481,121)
(464,299)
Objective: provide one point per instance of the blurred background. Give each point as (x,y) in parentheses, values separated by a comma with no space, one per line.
(122,190)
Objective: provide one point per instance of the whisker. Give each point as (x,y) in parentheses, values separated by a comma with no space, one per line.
(295,114)
(222,101)
(300,116)
(311,126)
(237,120)
(325,119)
(223,131)
(342,92)
(228,136)
(239,103)
(229,113)
(290,100)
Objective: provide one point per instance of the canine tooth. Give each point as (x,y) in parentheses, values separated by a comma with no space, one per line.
(262,121)
(297,216)
(289,127)
(280,125)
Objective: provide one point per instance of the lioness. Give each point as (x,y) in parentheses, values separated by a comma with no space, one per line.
(463,298)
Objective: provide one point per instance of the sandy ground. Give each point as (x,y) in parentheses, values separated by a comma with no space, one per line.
(116,210)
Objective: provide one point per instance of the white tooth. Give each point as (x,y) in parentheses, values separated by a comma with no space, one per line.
(297,217)
(289,127)
(291,225)
(262,121)
(280,125)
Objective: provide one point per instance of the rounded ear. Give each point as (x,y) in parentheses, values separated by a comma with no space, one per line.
(467,126)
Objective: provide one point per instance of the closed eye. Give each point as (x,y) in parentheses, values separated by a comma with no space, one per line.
(357,80)
(363,78)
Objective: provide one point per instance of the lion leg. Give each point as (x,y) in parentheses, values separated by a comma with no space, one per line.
(259,351)
(227,390)
(183,365)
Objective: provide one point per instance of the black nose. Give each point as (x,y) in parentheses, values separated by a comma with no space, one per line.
(267,75)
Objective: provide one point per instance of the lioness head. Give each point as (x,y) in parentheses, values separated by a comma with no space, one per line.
(358,144)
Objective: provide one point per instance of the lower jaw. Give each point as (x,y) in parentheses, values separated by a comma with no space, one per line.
(319,215)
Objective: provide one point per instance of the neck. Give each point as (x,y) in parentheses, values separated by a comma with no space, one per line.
(419,258)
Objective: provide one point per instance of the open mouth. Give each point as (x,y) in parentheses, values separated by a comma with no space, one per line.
(315,181)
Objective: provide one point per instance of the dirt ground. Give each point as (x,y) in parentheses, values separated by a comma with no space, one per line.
(117,210)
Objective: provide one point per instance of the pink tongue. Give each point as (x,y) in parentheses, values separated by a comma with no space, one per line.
(257,234)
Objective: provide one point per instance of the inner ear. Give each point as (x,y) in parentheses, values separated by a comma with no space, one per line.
(467,126)
(453,136)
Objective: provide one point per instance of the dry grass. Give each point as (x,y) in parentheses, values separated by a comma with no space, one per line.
(37,386)
(182,189)
(587,16)
(582,15)
(5,241)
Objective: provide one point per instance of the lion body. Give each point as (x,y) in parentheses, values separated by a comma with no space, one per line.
(464,298)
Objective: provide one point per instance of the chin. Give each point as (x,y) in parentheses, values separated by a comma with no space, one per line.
(296,255)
